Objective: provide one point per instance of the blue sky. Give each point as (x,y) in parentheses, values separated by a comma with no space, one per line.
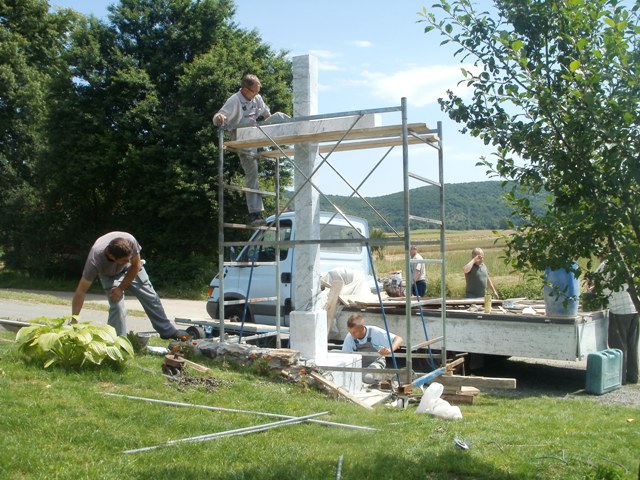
(370,55)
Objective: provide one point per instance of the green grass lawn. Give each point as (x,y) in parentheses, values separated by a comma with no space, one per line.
(60,425)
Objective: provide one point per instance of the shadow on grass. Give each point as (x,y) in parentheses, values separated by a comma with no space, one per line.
(454,464)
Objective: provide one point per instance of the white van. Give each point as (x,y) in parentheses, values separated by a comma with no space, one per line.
(262,277)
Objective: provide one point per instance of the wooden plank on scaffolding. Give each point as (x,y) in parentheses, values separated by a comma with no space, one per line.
(356,145)
(427,343)
(329,136)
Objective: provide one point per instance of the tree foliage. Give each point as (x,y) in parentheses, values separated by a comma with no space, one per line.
(125,138)
(31,42)
(555,89)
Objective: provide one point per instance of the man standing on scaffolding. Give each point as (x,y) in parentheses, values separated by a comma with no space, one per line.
(242,109)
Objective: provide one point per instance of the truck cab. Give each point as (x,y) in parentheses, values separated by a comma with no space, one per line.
(251,280)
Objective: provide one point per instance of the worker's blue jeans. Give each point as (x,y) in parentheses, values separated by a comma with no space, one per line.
(142,289)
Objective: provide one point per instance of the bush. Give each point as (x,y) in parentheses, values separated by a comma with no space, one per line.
(52,341)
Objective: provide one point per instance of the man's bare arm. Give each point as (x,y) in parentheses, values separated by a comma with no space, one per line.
(79,295)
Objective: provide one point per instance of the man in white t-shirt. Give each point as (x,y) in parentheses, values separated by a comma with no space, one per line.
(624,328)
(419,275)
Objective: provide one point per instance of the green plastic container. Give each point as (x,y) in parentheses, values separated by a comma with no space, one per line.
(604,371)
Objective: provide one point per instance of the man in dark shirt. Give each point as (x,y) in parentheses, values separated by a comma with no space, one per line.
(476,276)
(115,259)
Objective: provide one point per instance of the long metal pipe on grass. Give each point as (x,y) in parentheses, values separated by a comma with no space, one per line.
(233,410)
(230,433)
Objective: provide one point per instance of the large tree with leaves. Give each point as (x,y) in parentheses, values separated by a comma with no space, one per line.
(32,40)
(556,91)
(131,145)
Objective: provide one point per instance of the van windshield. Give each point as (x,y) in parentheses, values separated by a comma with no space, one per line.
(331,232)
(266,253)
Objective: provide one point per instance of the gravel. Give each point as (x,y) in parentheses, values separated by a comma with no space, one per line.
(565,380)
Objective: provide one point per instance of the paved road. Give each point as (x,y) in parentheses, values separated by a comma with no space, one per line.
(27,310)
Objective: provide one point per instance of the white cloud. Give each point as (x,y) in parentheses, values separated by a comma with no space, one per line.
(328,66)
(324,54)
(363,43)
(423,85)
(325,58)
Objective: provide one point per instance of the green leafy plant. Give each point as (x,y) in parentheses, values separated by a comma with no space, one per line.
(55,341)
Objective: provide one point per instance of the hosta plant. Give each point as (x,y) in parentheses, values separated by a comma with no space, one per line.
(55,341)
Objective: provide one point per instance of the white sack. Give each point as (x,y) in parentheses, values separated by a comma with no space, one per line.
(432,403)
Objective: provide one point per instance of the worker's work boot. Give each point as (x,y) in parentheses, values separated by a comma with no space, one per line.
(256,220)
(180,335)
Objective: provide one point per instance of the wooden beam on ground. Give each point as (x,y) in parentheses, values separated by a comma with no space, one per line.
(462,390)
(478,382)
(339,390)
(458,398)
(460,395)
(196,366)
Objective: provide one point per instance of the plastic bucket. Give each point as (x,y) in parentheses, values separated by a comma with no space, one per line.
(561,293)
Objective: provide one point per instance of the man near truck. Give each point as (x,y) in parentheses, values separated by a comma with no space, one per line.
(115,259)
(476,276)
(363,338)
(624,328)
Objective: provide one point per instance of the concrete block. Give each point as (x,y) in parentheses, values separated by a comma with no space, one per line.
(308,333)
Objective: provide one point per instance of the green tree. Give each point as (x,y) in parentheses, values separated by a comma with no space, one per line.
(129,140)
(555,90)
(31,43)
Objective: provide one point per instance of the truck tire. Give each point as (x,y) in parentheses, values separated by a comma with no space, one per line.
(234,314)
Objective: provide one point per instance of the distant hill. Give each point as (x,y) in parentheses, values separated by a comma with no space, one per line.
(468,206)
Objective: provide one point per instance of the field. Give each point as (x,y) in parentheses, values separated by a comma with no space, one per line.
(459,244)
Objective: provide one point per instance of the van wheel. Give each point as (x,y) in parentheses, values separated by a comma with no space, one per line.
(234,314)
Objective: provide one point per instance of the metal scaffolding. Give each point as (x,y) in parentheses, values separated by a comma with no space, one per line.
(280,149)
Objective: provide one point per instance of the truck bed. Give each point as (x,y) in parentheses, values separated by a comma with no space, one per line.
(497,333)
